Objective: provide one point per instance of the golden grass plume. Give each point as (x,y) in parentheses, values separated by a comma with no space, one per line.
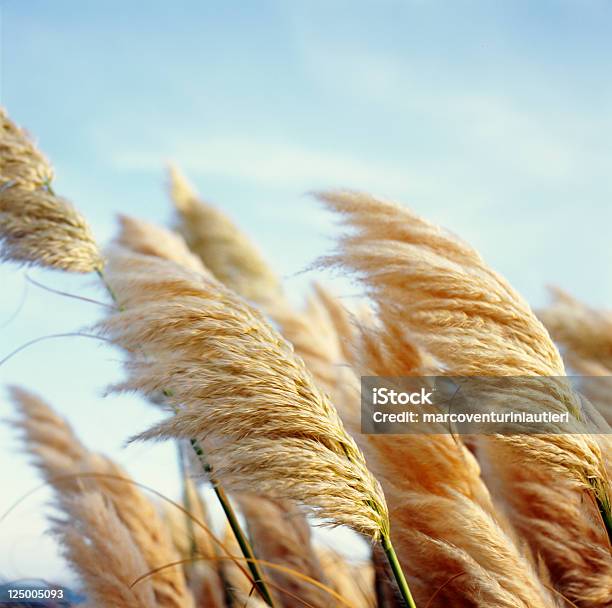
(282,536)
(72,469)
(102,551)
(21,162)
(438,289)
(222,247)
(583,332)
(279,530)
(438,293)
(238,386)
(147,238)
(36,226)
(550,514)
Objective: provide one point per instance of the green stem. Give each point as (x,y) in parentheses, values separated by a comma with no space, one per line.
(606,515)
(243,542)
(402,583)
(245,546)
(111,293)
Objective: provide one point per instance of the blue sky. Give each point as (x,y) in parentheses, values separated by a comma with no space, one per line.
(491,118)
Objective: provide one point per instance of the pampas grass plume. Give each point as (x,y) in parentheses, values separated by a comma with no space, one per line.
(237,385)
(221,246)
(36,226)
(72,469)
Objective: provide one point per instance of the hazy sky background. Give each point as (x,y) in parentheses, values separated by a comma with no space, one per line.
(491,118)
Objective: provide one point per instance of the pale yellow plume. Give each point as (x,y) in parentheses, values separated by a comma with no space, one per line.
(101,550)
(238,386)
(36,226)
(72,469)
(282,536)
(21,163)
(221,246)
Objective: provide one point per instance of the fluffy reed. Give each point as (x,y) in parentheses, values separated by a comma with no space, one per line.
(102,551)
(196,547)
(147,238)
(439,294)
(585,336)
(21,163)
(36,226)
(457,550)
(278,529)
(354,582)
(282,536)
(223,249)
(325,337)
(237,385)
(553,517)
(71,469)
(583,332)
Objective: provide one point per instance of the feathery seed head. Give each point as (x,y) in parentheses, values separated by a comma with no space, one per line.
(221,246)
(42,229)
(73,470)
(21,163)
(147,238)
(37,227)
(237,386)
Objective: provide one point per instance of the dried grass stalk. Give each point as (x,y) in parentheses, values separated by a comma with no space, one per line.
(437,288)
(551,516)
(241,590)
(102,551)
(282,536)
(583,332)
(456,548)
(149,239)
(72,469)
(221,246)
(436,291)
(37,227)
(21,163)
(197,548)
(354,582)
(238,386)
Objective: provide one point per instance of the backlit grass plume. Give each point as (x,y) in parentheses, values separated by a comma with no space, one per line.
(581,331)
(196,547)
(222,247)
(237,385)
(145,237)
(440,508)
(438,292)
(72,469)
(278,529)
(282,536)
(453,544)
(439,289)
(102,551)
(21,163)
(550,514)
(36,226)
